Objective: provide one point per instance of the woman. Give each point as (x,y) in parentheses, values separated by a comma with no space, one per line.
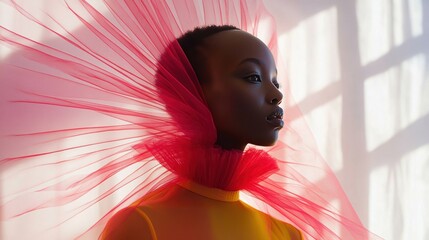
(159,127)
(238,78)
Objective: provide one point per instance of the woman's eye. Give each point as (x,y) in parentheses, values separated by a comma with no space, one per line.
(254,78)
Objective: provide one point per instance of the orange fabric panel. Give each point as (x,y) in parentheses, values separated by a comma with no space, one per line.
(192,211)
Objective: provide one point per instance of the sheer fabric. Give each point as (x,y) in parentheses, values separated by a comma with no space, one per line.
(116,98)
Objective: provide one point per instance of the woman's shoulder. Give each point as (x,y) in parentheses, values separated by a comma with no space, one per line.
(137,220)
(129,223)
(284,228)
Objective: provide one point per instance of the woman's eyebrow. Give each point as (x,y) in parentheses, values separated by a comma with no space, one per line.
(252,60)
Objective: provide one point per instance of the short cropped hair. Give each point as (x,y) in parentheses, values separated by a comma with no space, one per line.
(192,40)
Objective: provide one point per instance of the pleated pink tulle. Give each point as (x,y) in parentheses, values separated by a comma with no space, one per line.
(106,108)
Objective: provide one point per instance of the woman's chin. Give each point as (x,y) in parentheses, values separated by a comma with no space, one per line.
(267,141)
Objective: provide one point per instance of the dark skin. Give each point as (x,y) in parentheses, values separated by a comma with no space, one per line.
(239,81)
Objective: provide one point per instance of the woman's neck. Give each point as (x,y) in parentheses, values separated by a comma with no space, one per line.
(229,143)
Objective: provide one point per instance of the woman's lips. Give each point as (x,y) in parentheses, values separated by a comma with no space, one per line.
(276,118)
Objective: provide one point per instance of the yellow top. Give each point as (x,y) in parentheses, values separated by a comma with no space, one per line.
(192,211)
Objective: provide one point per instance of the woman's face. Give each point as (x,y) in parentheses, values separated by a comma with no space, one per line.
(239,81)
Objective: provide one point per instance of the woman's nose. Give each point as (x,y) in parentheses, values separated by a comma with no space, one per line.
(275,96)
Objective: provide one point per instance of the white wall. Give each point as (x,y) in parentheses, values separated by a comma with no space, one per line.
(360,72)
